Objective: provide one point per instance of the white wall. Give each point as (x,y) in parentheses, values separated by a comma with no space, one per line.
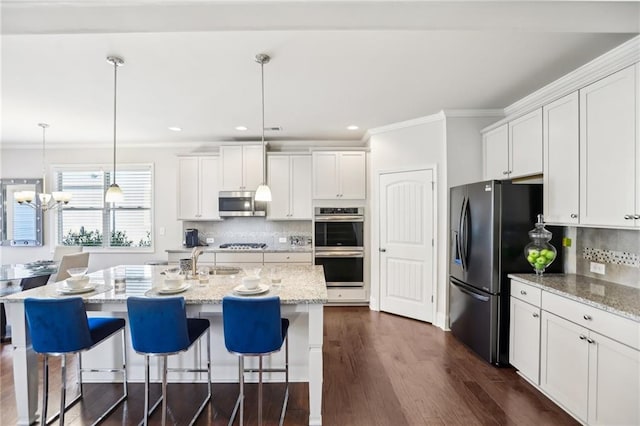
(26,163)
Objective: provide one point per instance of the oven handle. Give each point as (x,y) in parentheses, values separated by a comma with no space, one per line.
(339,254)
(339,218)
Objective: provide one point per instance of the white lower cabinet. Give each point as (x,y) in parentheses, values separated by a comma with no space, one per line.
(524,339)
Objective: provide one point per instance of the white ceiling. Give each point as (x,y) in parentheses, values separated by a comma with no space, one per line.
(334,63)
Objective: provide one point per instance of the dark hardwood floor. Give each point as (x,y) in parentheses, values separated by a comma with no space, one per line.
(379,369)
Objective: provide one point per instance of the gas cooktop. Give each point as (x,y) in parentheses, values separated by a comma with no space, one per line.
(243,246)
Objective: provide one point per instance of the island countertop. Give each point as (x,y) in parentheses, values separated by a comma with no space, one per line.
(301,284)
(611,297)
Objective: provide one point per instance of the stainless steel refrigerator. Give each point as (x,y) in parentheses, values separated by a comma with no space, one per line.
(489,230)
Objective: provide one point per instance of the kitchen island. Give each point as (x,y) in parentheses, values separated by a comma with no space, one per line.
(302,292)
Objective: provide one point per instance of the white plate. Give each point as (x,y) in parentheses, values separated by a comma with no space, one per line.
(242,290)
(173,290)
(68,290)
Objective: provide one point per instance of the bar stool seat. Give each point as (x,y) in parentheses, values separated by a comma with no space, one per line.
(160,327)
(59,327)
(253,326)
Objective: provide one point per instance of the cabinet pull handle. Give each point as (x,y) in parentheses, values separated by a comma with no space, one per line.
(628,217)
(535,315)
(582,337)
(587,317)
(574,216)
(522,292)
(591,341)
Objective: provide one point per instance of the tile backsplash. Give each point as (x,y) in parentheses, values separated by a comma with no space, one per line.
(254,230)
(617,249)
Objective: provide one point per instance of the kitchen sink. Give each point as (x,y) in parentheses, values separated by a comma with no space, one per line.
(224,270)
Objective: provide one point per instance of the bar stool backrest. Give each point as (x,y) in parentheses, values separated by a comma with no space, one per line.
(252,325)
(158,326)
(57,325)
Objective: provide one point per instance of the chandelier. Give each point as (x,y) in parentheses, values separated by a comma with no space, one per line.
(45,201)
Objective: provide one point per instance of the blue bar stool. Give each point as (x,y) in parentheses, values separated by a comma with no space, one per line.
(160,327)
(253,326)
(59,327)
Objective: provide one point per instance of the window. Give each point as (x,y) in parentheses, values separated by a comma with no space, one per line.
(87,218)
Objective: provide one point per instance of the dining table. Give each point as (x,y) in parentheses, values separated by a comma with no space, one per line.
(301,288)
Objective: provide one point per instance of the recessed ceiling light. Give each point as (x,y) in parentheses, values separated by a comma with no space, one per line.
(352,127)
(241,128)
(175,129)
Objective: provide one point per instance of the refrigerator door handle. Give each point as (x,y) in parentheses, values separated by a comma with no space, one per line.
(464,231)
(470,293)
(457,258)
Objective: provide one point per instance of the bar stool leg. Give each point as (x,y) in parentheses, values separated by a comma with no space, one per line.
(124,363)
(63,386)
(164,390)
(260,391)
(146,390)
(79,373)
(241,363)
(45,389)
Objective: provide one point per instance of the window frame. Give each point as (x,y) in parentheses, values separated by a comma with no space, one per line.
(106,210)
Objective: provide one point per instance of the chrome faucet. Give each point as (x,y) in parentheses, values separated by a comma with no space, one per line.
(195,253)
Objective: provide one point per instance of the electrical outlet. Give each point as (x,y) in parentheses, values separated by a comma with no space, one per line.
(162,230)
(210,240)
(282,239)
(597,268)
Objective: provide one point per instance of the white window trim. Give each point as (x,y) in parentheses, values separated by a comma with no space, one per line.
(53,220)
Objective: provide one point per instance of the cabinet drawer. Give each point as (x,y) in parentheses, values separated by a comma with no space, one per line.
(610,325)
(526,292)
(239,257)
(204,257)
(346,295)
(287,258)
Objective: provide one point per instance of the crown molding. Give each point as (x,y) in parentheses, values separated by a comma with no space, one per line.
(470,113)
(439,116)
(614,60)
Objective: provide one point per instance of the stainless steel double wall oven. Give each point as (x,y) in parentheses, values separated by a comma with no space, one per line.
(339,245)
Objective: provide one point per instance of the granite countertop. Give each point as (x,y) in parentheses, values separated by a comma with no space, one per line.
(301,284)
(611,297)
(216,249)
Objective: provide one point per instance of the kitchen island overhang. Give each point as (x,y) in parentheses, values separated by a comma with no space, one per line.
(302,292)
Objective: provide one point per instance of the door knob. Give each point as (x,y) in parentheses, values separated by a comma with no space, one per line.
(382,250)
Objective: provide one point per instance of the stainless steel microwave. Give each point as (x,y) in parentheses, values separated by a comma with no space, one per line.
(240,203)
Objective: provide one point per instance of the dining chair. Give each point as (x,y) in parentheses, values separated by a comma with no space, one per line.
(253,326)
(33,282)
(60,327)
(76,260)
(160,327)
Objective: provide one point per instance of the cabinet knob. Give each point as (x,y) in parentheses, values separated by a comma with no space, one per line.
(535,315)
(582,337)
(506,172)
(628,217)
(636,216)
(591,341)
(574,216)
(587,317)
(522,292)
(382,250)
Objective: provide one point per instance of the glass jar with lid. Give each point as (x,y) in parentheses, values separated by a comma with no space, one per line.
(539,252)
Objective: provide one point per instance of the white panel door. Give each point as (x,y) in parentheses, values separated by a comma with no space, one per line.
(608,150)
(524,339)
(614,382)
(406,251)
(300,172)
(209,187)
(496,153)
(188,188)
(252,163)
(231,168)
(352,175)
(525,145)
(279,177)
(561,157)
(325,175)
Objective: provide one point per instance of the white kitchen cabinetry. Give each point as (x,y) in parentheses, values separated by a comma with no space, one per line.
(590,361)
(240,167)
(339,175)
(524,331)
(561,160)
(198,188)
(514,149)
(610,151)
(290,183)
(288,258)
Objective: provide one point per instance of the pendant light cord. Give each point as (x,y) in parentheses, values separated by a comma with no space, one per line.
(264,151)
(115,94)
(44,167)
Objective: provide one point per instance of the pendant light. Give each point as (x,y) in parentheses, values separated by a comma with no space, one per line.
(114,193)
(47,201)
(263,193)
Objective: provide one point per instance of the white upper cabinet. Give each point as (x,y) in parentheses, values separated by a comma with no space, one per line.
(290,183)
(561,159)
(198,188)
(496,153)
(241,167)
(339,175)
(514,149)
(609,164)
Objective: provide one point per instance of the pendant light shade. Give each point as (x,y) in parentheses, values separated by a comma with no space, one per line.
(114,193)
(263,193)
